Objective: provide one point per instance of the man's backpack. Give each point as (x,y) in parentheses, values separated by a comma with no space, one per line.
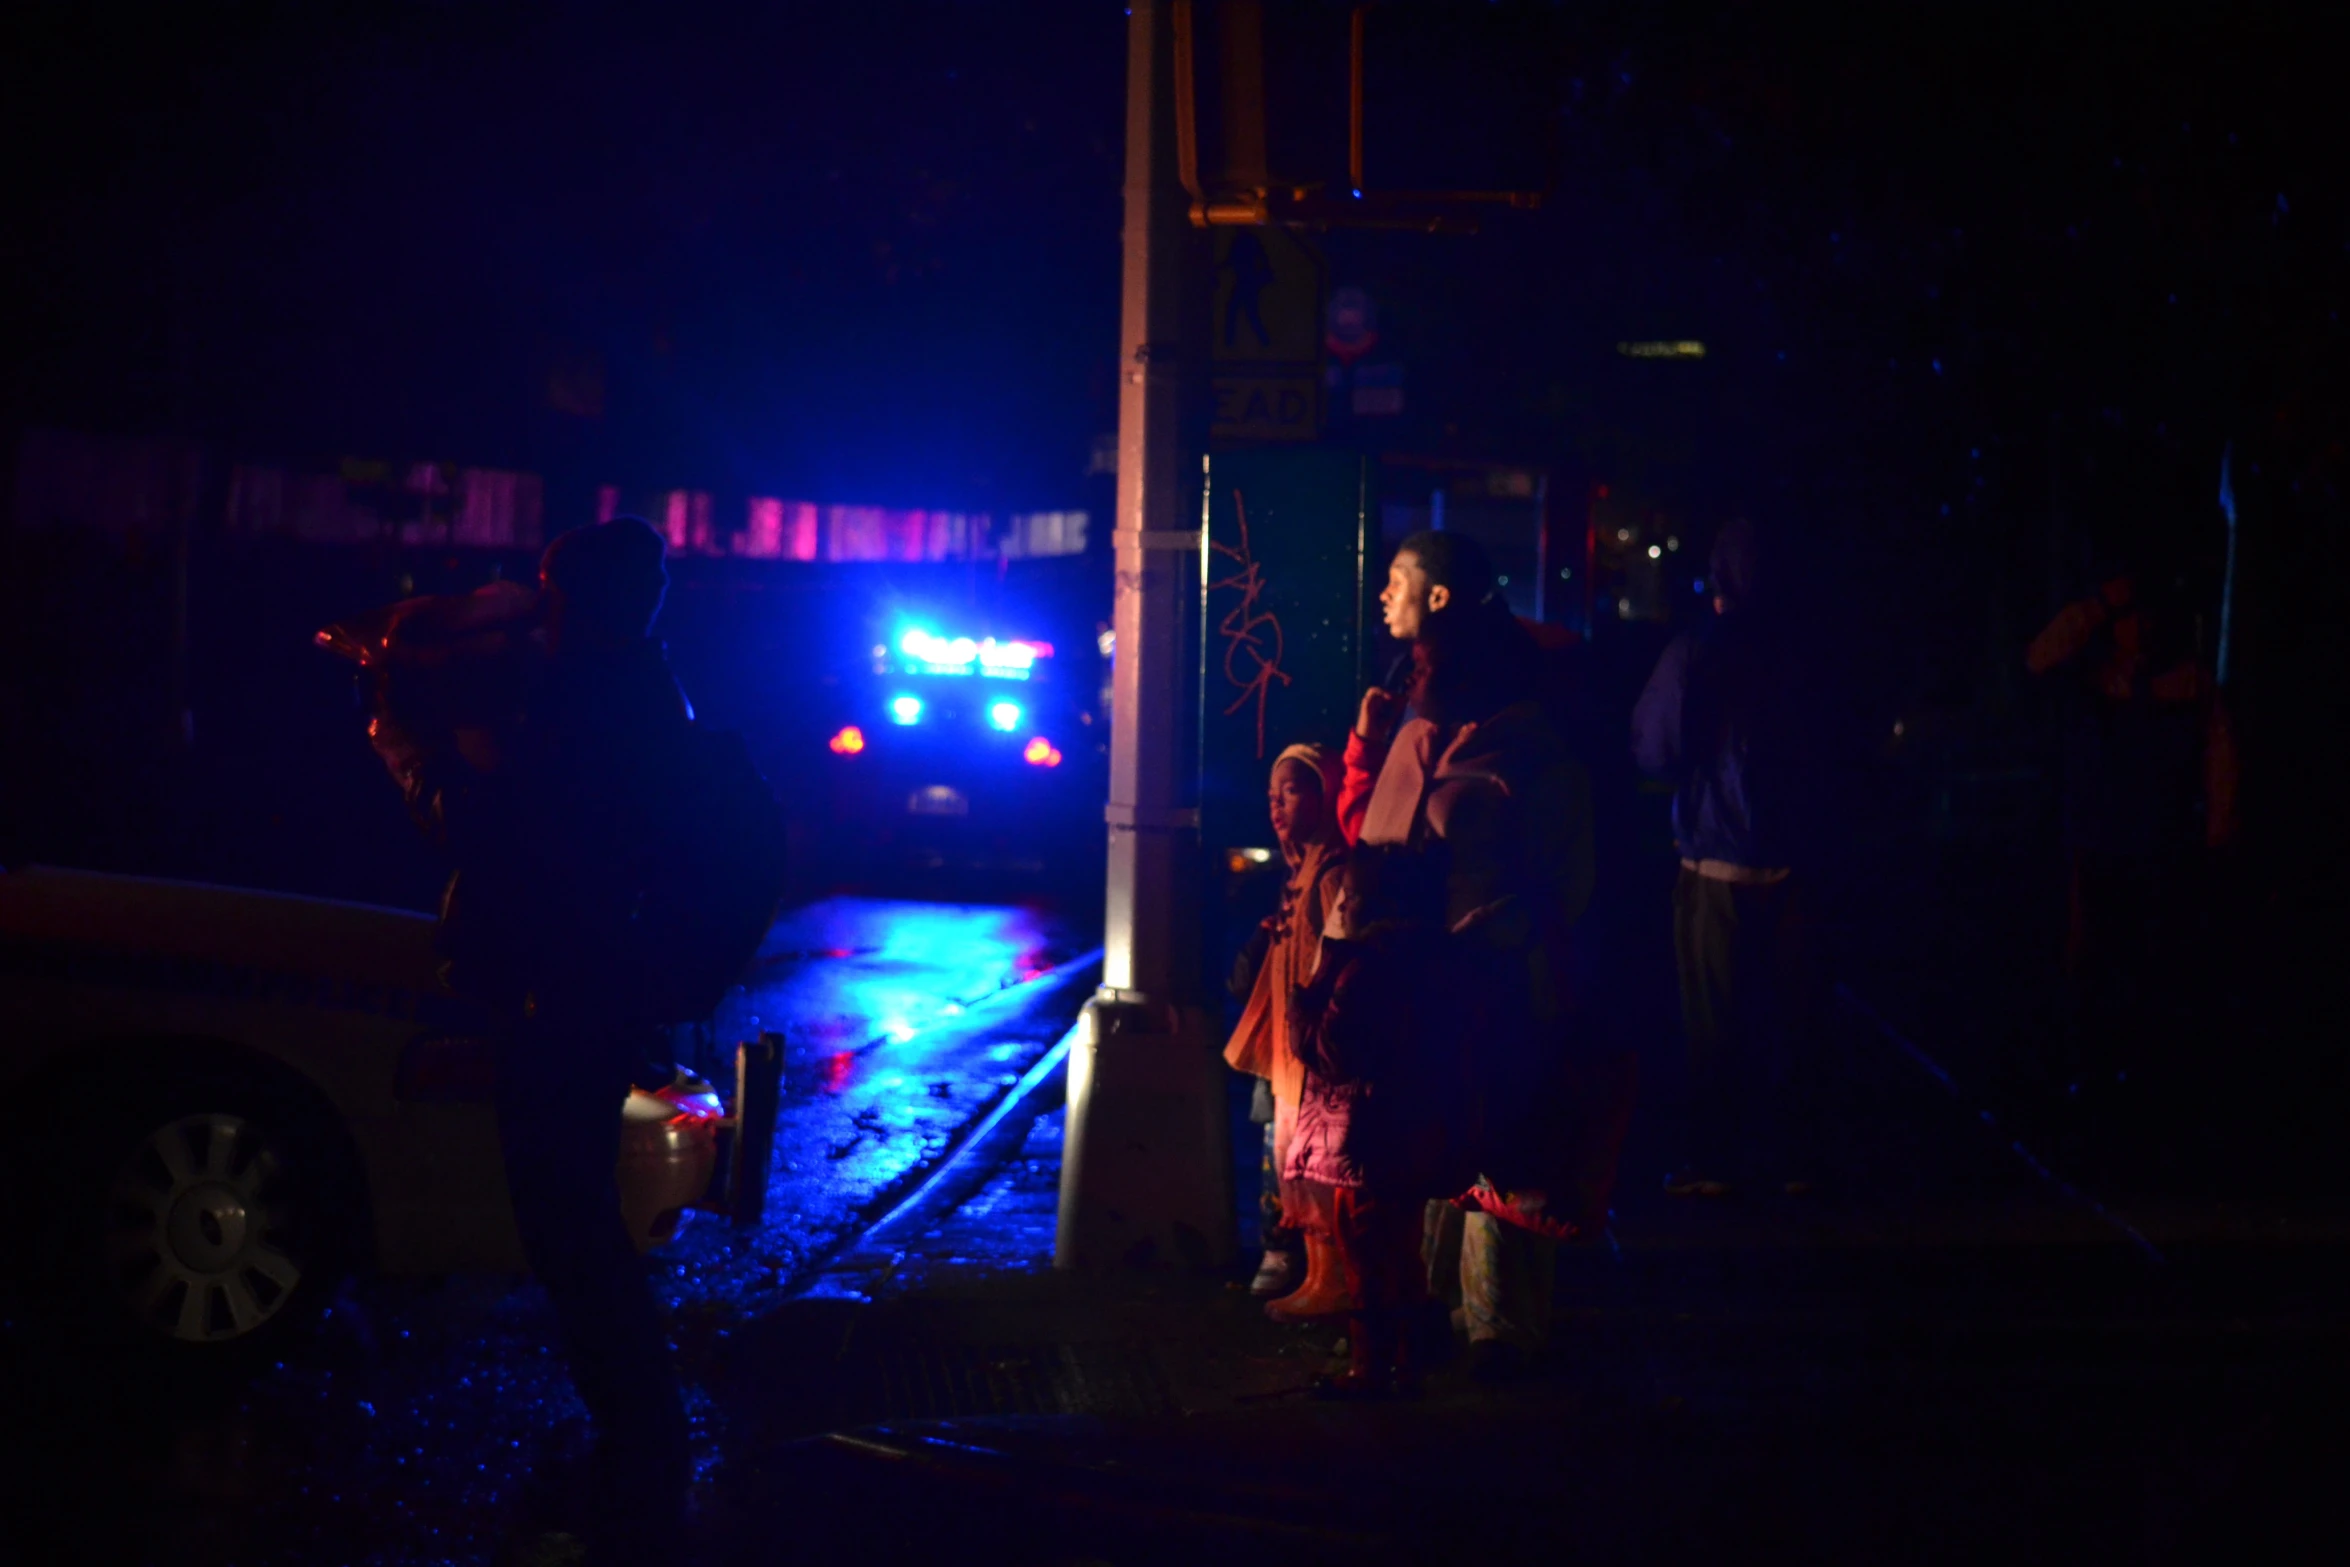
(713,878)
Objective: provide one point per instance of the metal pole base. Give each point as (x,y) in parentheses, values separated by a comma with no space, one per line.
(758,1101)
(1145,1162)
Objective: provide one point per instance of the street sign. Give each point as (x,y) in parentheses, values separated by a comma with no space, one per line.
(1268,303)
(1267,408)
(1351,327)
(1265,335)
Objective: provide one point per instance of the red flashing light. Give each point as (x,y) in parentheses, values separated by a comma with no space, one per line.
(838,1068)
(1041,752)
(848,742)
(696,1108)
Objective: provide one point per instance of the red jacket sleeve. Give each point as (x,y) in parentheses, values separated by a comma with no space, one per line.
(1364,758)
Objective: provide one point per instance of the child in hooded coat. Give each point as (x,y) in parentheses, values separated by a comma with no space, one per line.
(1303,792)
(1386,1109)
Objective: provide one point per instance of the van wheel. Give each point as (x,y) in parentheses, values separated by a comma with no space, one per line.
(199,1230)
(210,1224)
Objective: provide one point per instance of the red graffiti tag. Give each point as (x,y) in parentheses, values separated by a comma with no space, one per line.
(1252,636)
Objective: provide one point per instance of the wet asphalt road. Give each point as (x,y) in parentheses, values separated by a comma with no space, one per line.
(408,1427)
(1957,1356)
(894,1017)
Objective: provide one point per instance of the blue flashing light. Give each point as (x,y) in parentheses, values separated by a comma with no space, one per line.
(905,710)
(1011,659)
(1005,716)
(928,653)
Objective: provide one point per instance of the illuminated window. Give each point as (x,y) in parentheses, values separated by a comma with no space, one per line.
(1039,533)
(856,533)
(762,535)
(496,510)
(777,530)
(905,710)
(1005,716)
(685,519)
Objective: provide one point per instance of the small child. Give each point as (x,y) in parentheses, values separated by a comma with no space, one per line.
(1381,1117)
(1300,792)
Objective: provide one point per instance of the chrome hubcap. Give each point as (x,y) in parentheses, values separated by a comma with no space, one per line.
(192,1234)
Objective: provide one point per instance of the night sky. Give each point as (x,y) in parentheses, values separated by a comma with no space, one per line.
(1986,289)
(869,253)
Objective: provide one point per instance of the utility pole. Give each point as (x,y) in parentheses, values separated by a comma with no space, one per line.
(1144,1175)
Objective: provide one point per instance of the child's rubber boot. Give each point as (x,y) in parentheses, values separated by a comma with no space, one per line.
(1324,1292)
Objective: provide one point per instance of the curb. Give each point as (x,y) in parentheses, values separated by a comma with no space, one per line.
(862,1260)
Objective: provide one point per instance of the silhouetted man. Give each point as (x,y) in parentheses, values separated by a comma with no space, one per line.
(1718,720)
(550,828)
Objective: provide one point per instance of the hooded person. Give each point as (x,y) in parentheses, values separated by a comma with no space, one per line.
(550,822)
(1302,791)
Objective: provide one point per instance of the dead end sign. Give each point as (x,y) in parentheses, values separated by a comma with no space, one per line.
(1266,330)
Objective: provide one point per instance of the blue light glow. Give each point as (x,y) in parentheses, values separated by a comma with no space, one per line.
(928,653)
(1005,716)
(1007,658)
(905,710)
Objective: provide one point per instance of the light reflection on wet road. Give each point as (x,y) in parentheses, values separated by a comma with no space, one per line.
(409,1429)
(849,972)
(890,1048)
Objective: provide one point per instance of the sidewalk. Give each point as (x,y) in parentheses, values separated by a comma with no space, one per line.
(1956,1360)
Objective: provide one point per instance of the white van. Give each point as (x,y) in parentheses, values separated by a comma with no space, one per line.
(238,1095)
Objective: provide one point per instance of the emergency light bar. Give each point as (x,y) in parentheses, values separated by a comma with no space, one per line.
(927,653)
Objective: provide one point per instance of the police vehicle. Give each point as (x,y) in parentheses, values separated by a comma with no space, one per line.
(958,747)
